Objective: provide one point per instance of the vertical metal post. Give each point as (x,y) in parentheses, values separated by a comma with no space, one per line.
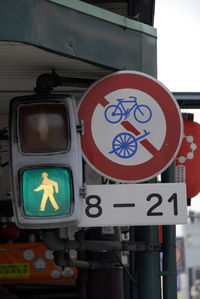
(148,263)
(82,274)
(126,278)
(133,288)
(169,247)
(104,283)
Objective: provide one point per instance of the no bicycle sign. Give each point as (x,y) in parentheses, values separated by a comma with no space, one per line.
(132,126)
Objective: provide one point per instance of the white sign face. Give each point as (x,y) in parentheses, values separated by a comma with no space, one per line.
(134,204)
(132,127)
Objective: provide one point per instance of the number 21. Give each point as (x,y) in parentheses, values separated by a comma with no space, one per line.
(172,199)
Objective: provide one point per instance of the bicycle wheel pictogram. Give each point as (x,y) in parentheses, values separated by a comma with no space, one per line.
(124,145)
(142,114)
(113,114)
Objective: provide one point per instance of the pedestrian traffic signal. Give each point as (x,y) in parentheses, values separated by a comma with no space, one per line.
(53,184)
(46,164)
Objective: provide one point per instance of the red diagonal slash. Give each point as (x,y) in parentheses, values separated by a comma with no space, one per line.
(129,127)
(104,102)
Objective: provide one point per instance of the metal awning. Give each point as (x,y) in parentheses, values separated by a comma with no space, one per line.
(140,10)
(22,64)
(72,37)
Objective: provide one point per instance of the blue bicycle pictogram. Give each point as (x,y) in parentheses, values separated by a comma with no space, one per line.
(125,145)
(114,113)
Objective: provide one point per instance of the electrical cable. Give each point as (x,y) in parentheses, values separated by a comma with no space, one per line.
(125,268)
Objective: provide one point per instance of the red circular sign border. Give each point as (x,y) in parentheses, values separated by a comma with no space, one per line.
(135,80)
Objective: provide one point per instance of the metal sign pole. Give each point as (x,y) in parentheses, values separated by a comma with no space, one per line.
(148,264)
(169,248)
(104,283)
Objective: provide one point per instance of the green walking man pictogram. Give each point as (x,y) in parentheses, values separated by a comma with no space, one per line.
(48,186)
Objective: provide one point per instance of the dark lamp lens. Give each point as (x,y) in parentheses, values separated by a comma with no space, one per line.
(43,128)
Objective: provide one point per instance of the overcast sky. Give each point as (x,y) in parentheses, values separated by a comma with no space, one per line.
(178,45)
(178,28)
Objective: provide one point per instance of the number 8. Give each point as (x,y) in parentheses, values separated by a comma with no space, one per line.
(93,205)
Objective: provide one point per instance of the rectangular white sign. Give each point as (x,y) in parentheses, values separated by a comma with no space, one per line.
(134,204)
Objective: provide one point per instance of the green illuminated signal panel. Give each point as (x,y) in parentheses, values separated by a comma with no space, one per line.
(46,192)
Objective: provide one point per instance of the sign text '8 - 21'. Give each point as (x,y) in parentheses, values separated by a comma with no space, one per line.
(143,204)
